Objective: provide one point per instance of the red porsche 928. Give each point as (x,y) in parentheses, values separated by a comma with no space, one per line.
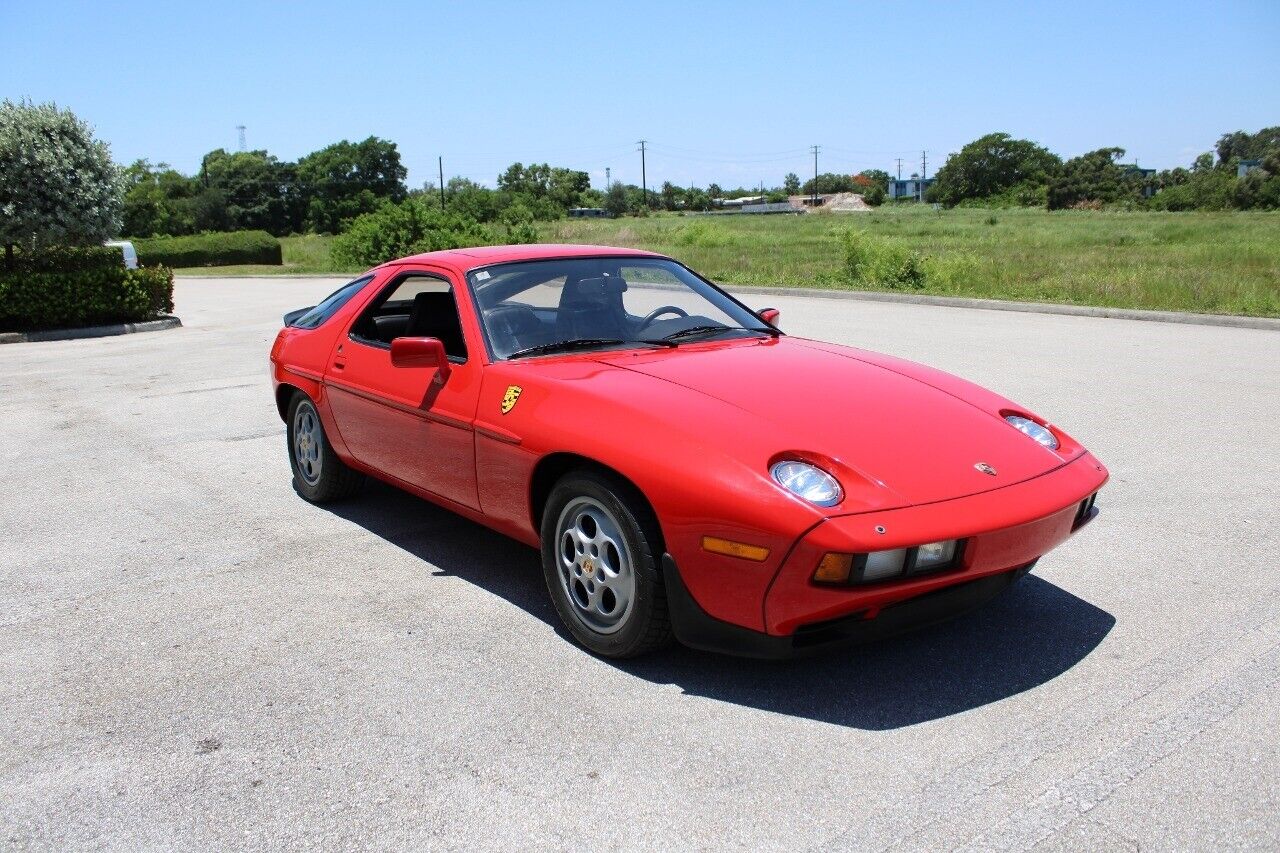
(686,469)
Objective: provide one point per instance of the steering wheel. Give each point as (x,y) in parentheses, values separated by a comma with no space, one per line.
(658,312)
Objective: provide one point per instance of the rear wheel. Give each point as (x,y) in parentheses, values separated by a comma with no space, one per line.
(318,474)
(600,548)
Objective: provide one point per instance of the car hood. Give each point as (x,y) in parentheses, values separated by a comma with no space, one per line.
(881,423)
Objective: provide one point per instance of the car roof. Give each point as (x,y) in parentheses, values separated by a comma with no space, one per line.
(479,256)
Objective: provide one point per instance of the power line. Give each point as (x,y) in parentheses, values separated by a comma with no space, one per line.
(789,151)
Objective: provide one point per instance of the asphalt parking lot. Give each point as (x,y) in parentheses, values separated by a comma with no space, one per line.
(191,657)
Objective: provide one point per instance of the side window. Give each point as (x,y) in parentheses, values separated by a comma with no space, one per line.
(331,305)
(415,305)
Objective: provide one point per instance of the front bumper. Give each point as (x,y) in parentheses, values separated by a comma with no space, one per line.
(1005,531)
(695,628)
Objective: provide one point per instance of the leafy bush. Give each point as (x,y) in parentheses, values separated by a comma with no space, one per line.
(218,248)
(520,227)
(1092,180)
(58,184)
(1205,189)
(397,230)
(703,234)
(1025,194)
(882,263)
(990,166)
(88,296)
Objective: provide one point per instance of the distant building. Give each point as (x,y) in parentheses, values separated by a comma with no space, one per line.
(587,212)
(1244,167)
(1146,176)
(912,187)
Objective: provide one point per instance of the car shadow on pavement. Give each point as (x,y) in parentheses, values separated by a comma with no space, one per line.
(1027,636)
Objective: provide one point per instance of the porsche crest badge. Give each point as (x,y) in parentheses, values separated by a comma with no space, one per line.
(984,468)
(510,398)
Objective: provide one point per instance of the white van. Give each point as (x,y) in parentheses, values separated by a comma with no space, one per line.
(130,254)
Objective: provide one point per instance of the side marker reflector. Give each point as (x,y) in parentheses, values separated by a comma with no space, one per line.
(834,568)
(755,553)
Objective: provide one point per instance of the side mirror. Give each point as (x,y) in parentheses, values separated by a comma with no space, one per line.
(420,352)
(770,316)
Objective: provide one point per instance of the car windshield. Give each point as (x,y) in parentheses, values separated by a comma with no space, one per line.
(576,304)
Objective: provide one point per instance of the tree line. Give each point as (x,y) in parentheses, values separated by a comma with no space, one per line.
(328,189)
(253,190)
(998,170)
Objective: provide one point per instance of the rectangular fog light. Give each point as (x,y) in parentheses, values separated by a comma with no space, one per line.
(935,555)
(884,564)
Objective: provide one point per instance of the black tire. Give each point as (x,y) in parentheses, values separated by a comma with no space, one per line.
(327,478)
(646,624)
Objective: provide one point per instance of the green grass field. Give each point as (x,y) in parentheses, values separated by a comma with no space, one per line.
(1226,263)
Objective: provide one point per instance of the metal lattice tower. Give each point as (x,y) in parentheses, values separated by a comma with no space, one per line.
(240,132)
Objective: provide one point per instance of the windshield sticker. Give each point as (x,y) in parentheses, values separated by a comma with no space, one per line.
(482,275)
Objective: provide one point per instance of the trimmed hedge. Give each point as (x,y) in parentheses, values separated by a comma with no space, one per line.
(212,249)
(64,259)
(90,296)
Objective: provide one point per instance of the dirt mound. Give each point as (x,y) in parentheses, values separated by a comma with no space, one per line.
(846,203)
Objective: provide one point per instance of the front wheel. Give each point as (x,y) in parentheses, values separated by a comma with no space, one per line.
(318,474)
(600,547)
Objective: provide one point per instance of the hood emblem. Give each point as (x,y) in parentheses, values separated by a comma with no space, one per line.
(509,399)
(985,468)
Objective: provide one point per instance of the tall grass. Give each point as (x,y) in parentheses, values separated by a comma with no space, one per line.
(1226,263)
(1209,262)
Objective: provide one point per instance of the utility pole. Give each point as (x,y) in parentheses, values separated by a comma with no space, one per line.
(815,149)
(924,172)
(240,134)
(607,179)
(440,163)
(899,168)
(644,185)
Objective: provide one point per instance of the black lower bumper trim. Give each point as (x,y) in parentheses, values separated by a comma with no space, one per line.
(694,627)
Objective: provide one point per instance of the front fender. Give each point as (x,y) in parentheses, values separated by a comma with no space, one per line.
(701,463)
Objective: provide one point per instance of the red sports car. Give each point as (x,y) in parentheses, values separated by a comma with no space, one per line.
(686,468)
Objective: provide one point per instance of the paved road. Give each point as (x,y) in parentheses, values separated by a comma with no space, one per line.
(193,658)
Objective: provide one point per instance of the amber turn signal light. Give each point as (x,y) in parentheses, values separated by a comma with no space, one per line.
(755,553)
(834,568)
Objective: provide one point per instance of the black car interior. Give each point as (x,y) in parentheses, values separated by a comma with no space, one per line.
(428,314)
(589,307)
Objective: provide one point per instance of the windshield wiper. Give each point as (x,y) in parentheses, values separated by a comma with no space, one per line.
(580,343)
(702,330)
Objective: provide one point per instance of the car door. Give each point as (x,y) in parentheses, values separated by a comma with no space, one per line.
(408,422)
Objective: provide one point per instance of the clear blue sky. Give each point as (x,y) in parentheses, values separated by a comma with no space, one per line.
(731,92)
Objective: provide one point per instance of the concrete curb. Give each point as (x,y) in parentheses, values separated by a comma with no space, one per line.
(1230,320)
(166,322)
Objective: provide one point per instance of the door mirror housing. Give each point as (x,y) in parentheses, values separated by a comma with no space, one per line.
(420,352)
(770,316)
